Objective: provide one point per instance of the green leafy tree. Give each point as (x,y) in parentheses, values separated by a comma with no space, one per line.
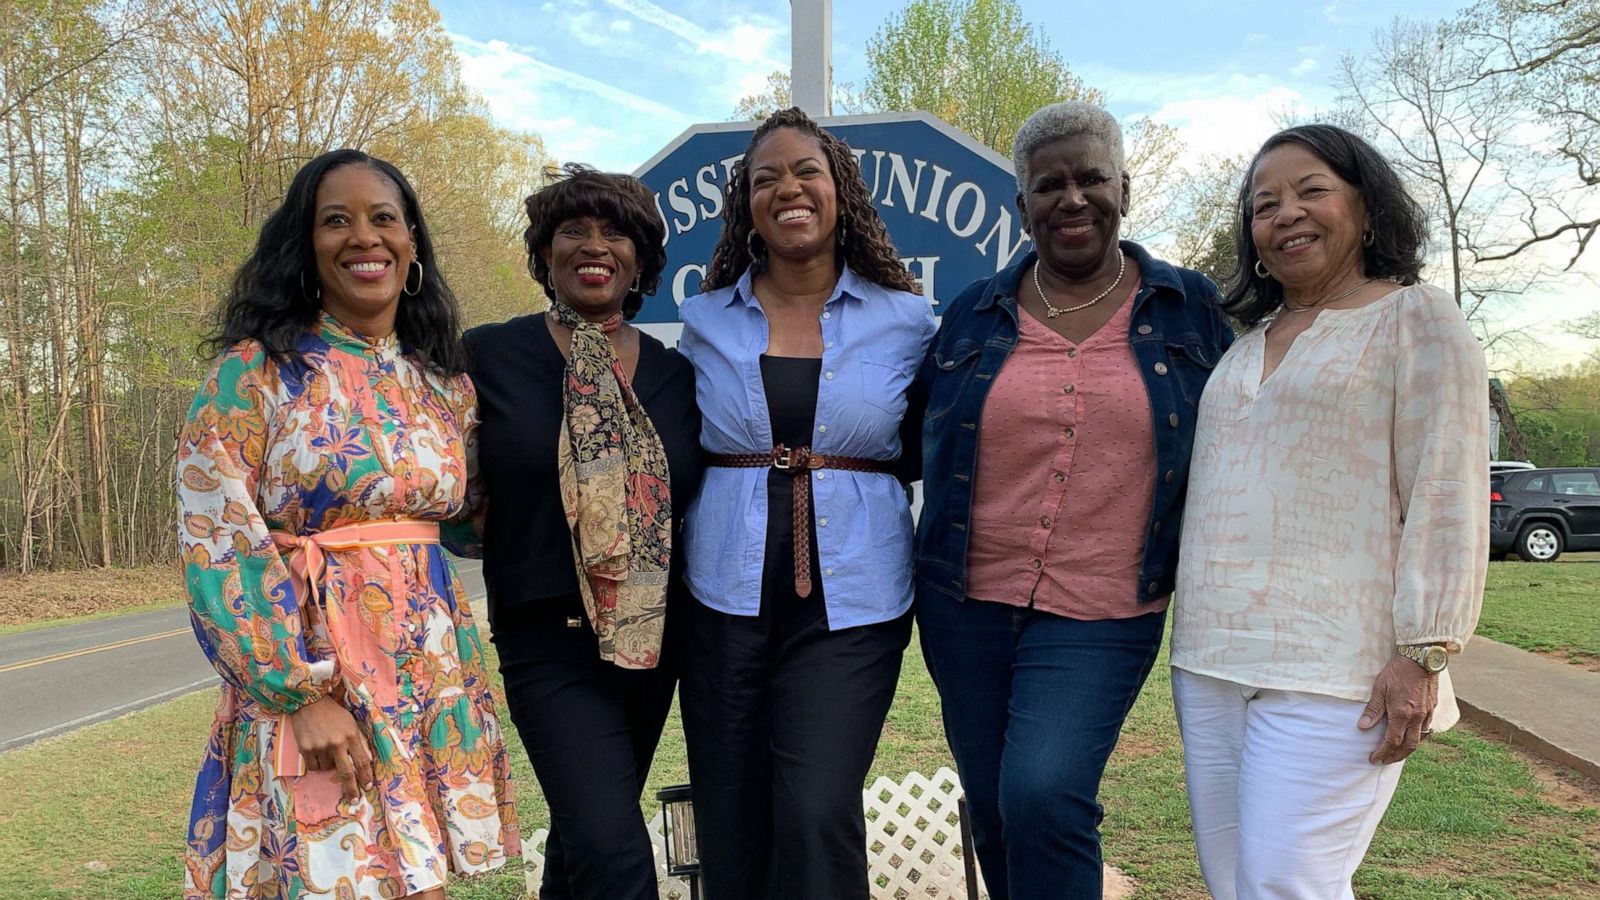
(778,95)
(973,63)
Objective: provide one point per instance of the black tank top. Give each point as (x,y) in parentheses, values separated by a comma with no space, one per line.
(790,384)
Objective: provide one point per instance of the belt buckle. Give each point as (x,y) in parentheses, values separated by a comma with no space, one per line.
(782,458)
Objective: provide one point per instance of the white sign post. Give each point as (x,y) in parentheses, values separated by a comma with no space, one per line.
(811,56)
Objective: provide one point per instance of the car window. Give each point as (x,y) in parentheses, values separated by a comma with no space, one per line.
(1578,484)
(1536,483)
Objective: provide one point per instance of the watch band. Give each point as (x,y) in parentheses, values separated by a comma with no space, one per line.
(1431,657)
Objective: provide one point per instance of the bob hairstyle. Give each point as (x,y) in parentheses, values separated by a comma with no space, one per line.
(623,200)
(1399,232)
(867,248)
(276,296)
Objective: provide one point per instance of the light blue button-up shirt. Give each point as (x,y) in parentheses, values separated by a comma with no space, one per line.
(873,340)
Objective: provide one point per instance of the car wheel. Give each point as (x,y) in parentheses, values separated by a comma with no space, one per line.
(1539,543)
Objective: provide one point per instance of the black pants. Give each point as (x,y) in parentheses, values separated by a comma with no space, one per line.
(782,718)
(590,729)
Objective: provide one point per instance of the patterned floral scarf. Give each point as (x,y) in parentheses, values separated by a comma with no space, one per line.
(616,492)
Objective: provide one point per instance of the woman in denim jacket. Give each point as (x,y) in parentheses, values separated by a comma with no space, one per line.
(1045,561)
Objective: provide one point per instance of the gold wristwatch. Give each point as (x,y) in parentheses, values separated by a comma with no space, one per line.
(1431,657)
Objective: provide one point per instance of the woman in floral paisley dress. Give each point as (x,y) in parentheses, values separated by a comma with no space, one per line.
(356,752)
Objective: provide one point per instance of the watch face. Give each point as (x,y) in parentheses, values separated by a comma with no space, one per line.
(1435,658)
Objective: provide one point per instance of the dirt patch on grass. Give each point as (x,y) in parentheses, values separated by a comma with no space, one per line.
(62,595)
(1130,746)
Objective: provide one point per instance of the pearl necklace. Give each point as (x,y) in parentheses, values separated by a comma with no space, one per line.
(1295,309)
(1051,311)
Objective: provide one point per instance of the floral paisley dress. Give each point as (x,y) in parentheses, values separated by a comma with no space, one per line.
(357,433)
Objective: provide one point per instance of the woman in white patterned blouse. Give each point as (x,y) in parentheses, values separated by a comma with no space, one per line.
(1336,536)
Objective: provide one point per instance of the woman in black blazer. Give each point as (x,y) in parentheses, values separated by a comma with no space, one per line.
(588,455)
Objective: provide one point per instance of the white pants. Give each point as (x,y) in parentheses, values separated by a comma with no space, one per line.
(1283,799)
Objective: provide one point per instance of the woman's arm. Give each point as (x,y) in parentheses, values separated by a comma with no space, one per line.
(246,613)
(1441,473)
(1440,452)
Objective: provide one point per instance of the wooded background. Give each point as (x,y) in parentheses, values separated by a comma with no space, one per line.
(143,141)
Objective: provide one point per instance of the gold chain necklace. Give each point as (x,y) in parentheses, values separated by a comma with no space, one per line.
(1295,309)
(1051,311)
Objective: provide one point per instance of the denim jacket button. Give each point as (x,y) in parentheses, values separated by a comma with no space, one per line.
(1161,368)
(1168,479)
(1173,420)
(1156,529)
(1145,329)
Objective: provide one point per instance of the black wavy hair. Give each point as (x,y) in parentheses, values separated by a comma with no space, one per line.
(274,296)
(867,248)
(1398,224)
(622,200)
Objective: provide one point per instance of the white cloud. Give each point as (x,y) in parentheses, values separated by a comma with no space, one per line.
(745,41)
(1304,67)
(578,117)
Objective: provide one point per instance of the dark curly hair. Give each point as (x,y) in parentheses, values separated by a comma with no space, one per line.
(1399,229)
(867,248)
(272,299)
(623,200)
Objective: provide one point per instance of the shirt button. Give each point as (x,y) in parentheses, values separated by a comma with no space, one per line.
(1071,388)
(1070,433)
(1072,352)
(1168,477)
(830,345)
(822,429)
(1036,564)
(1044,521)
(1161,368)
(1173,420)
(827,315)
(828,376)
(1145,329)
(1060,477)
(827,571)
(822,522)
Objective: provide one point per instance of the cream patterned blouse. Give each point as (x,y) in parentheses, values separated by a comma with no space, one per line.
(1342,505)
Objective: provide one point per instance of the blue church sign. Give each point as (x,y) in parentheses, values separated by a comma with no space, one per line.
(949,202)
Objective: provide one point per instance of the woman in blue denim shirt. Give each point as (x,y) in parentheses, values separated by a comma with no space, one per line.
(804,346)
(1061,398)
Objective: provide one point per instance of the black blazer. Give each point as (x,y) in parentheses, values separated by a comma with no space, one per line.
(517,370)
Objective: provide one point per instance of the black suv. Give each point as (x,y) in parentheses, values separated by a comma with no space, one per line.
(1541,512)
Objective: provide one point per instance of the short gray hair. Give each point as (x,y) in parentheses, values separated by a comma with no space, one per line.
(1069,118)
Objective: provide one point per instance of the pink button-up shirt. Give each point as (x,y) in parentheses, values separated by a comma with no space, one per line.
(1065,477)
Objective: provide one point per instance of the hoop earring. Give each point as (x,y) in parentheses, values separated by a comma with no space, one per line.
(1368,238)
(750,245)
(637,278)
(1261,270)
(318,297)
(406,288)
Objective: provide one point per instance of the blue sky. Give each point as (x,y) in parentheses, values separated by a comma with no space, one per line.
(610,82)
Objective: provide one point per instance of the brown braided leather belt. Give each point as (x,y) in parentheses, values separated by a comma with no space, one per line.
(798,463)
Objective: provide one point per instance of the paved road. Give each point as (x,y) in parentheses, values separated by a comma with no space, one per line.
(56,679)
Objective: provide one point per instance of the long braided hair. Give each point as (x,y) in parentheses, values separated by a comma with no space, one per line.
(867,248)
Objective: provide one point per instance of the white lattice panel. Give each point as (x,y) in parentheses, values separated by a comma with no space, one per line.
(913,842)
(914,838)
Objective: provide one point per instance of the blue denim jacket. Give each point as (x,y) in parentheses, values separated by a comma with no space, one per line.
(1177,332)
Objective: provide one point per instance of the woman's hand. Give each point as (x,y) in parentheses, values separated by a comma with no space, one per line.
(329,738)
(1405,694)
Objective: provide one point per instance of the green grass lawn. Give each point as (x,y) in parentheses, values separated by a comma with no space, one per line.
(100,813)
(1550,608)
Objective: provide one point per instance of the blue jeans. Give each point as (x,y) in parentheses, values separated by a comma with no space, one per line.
(1033,703)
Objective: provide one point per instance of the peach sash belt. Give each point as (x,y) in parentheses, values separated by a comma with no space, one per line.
(361,658)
